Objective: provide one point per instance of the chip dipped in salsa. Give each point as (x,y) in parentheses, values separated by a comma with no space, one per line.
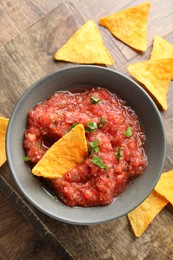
(115,143)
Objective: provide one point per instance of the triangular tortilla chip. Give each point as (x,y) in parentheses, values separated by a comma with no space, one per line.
(165,186)
(85,46)
(64,155)
(155,75)
(3,128)
(161,49)
(143,215)
(129,25)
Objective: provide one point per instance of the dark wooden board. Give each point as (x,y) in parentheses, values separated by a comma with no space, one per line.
(30,56)
(24,240)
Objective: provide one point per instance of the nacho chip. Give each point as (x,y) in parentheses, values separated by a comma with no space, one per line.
(161,49)
(143,215)
(3,127)
(85,46)
(64,155)
(129,25)
(155,75)
(165,186)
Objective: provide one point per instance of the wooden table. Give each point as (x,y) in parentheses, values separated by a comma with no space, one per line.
(30,33)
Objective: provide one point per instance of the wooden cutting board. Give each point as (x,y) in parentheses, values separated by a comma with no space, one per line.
(30,56)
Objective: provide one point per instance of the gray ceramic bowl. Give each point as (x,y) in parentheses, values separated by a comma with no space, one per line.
(76,78)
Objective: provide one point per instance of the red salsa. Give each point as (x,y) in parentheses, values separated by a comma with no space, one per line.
(114,137)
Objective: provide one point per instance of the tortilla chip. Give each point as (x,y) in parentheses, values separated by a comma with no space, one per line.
(155,75)
(3,128)
(64,155)
(85,46)
(165,186)
(129,25)
(143,215)
(161,49)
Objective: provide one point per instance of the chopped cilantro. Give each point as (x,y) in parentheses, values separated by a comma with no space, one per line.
(91,126)
(98,161)
(94,146)
(38,146)
(73,125)
(128,132)
(119,154)
(26,159)
(94,100)
(102,122)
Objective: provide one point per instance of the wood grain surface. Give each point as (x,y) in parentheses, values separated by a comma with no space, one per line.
(20,240)
(31,33)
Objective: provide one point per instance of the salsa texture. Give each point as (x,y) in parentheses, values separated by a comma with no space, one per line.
(114,137)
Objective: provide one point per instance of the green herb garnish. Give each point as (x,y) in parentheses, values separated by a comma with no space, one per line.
(94,100)
(26,159)
(91,126)
(119,154)
(98,161)
(38,146)
(102,122)
(73,125)
(128,132)
(94,146)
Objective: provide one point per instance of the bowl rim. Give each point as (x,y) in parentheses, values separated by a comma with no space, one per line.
(10,124)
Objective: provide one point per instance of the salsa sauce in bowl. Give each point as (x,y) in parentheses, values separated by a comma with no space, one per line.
(99,185)
(114,137)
